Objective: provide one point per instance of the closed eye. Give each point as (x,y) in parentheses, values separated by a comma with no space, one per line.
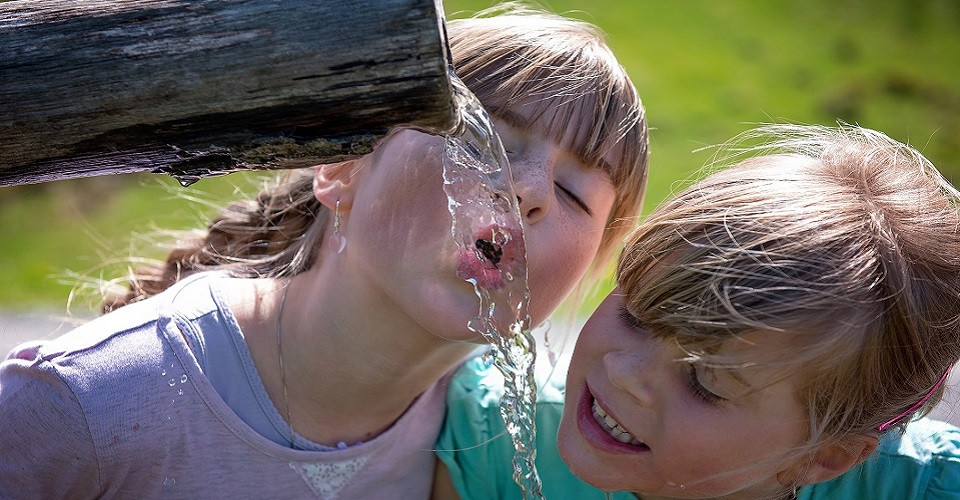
(699,390)
(574,198)
(630,320)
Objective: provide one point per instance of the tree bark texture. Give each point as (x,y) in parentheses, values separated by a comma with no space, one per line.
(198,87)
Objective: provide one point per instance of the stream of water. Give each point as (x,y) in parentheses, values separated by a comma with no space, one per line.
(487,229)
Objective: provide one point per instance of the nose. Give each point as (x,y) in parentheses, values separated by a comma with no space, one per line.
(632,372)
(533,184)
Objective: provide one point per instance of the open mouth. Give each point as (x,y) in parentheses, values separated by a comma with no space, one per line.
(602,430)
(613,427)
(490,250)
(495,257)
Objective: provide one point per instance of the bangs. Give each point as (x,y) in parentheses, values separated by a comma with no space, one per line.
(576,96)
(735,254)
(589,122)
(702,303)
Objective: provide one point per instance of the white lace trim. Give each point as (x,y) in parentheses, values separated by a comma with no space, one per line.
(326,480)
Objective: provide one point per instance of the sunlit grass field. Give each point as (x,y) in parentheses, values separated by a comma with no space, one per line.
(706,71)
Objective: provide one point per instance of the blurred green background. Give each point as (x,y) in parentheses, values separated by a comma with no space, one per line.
(706,71)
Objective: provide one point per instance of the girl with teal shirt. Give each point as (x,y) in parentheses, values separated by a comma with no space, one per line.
(774,330)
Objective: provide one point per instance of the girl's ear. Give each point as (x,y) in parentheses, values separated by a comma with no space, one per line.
(336,181)
(830,460)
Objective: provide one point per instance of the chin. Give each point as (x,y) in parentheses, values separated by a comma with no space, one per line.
(592,474)
(574,455)
(581,460)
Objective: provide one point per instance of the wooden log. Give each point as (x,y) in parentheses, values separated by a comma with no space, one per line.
(196,87)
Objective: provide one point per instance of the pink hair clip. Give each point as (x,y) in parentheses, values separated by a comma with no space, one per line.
(890,423)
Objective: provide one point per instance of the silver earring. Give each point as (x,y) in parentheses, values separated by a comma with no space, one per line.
(337,241)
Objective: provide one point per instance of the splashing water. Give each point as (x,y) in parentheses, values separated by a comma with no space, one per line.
(487,229)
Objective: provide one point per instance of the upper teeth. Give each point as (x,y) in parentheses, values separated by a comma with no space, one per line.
(612,426)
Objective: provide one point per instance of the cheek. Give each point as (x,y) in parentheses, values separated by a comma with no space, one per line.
(554,267)
(407,197)
(721,457)
(411,166)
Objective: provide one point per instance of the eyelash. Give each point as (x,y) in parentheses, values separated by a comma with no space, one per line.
(574,198)
(692,381)
(630,319)
(699,390)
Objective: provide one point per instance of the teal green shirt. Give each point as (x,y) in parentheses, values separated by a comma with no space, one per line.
(477,450)
(924,463)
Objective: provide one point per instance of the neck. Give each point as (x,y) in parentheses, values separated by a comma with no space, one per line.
(352,362)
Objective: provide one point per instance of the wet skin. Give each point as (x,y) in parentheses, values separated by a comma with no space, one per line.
(400,241)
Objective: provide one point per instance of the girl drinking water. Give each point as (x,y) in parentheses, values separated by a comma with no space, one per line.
(774,330)
(299,345)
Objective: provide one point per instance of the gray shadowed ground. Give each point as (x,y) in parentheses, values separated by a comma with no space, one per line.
(22,326)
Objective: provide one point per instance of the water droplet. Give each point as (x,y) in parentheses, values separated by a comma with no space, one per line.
(186,180)
(163,373)
(488,359)
(183,378)
(169,481)
(338,242)
(476,325)
(180,392)
(172,382)
(507,275)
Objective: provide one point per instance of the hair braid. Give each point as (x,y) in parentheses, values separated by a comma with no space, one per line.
(273,235)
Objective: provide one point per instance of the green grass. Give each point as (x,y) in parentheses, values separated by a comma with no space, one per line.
(706,71)
(90,227)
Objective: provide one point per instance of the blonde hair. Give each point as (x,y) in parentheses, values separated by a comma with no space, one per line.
(843,240)
(518,53)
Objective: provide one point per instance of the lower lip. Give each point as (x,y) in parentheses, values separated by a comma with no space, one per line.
(469,267)
(597,436)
